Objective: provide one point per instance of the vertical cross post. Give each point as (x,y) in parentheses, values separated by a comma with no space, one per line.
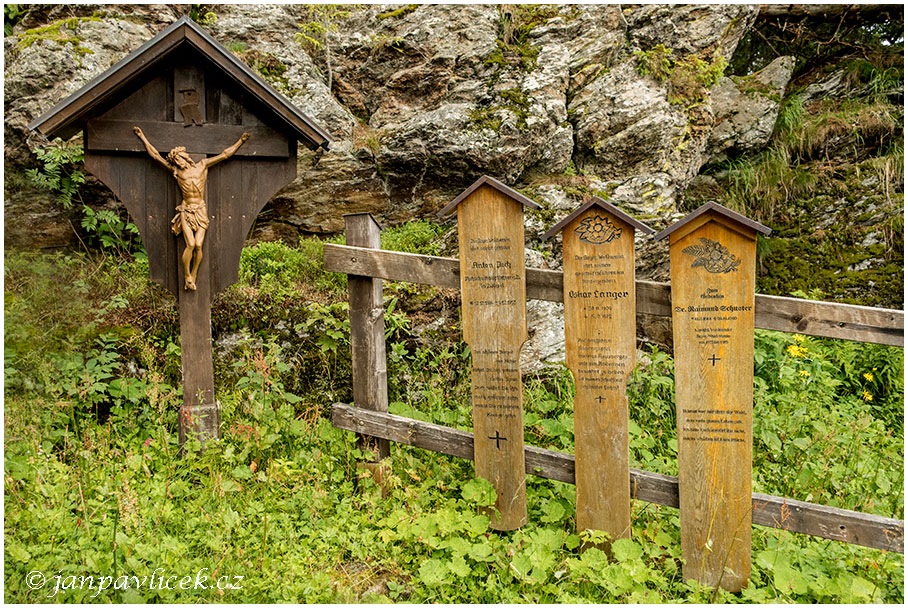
(367,340)
(200,415)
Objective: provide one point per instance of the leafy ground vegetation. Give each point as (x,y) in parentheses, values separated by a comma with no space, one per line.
(94,485)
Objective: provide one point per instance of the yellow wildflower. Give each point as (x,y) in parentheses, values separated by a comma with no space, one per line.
(804,373)
(868,377)
(797,351)
(867,396)
(798,338)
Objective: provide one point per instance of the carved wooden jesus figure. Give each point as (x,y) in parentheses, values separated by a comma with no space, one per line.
(192,214)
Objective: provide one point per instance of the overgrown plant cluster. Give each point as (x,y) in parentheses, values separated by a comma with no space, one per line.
(94,486)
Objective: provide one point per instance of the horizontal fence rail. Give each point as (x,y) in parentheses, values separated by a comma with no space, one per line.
(823,319)
(852,527)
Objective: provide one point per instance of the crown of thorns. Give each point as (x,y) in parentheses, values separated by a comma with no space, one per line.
(173,154)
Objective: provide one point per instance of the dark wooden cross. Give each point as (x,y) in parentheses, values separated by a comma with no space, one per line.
(714,358)
(600,398)
(184,78)
(498,439)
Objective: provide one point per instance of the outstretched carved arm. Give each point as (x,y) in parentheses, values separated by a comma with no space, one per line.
(150,149)
(228,152)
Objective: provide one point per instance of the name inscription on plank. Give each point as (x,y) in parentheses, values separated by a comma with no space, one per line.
(599,313)
(490,231)
(713,327)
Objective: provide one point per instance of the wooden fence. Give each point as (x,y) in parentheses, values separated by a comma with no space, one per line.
(368,265)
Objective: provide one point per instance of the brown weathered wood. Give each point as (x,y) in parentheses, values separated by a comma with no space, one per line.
(600,351)
(713,267)
(810,317)
(367,332)
(182,89)
(823,11)
(488,182)
(183,39)
(199,414)
(493,305)
(795,516)
(118,136)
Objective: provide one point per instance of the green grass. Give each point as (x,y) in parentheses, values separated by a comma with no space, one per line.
(94,486)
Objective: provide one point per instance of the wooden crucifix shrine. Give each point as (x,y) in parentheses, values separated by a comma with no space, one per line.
(600,344)
(194,144)
(713,265)
(493,305)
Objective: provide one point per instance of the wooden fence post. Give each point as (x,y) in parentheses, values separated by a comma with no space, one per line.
(367,341)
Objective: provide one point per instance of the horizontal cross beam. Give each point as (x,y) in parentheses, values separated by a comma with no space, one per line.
(118,136)
(824,319)
(797,516)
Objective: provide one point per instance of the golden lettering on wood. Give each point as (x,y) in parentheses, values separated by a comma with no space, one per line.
(712,280)
(493,291)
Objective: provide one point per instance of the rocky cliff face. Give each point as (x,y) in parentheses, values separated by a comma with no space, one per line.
(627,102)
(423,100)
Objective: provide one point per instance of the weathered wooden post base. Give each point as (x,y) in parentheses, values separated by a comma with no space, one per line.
(367,344)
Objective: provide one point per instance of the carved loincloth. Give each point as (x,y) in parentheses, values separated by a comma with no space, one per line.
(195,216)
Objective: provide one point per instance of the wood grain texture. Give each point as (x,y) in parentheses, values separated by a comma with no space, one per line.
(367,333)
(793,315)
(182,42)
(199,414)
(799,517)
(600,351)
(493,305)
(235,192)
(713,268)
(117,136)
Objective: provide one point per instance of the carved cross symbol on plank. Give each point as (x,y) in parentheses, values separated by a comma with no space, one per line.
(714,358)
(498,439)
(600,399)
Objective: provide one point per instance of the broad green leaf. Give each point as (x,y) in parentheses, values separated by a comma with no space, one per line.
(862,588)
(241,471)
(553,511)
(458,566)
(434,572)
(521,565)
(479,491)
(625,549)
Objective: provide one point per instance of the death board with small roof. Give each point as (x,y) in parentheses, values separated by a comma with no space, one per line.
(713,268)
(493,308)
(600,351)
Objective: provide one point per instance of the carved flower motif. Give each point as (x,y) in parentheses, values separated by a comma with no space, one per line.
(713,256)
(597,230)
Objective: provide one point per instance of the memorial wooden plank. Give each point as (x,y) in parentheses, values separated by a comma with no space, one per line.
(713,266)
(493,305)
(600,351)
(367,344)
(183,92)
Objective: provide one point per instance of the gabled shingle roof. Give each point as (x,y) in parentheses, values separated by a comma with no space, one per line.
(598,202)
(485,180)
(68,117)
(725,211)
